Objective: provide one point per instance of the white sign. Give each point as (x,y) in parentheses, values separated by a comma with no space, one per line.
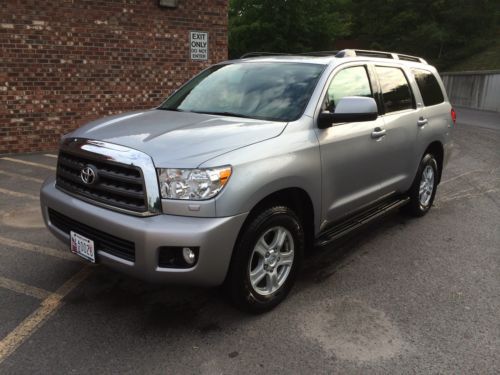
(198,44)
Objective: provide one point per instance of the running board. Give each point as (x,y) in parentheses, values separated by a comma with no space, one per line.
(358,220)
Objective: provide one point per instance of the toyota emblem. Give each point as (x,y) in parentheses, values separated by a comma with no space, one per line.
(88,175)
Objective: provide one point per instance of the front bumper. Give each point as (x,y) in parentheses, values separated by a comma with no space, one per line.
(215,238)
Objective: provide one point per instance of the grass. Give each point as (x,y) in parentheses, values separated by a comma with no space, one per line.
(489,59)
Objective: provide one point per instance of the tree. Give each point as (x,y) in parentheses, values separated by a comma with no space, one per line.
(286,25)
(442,31)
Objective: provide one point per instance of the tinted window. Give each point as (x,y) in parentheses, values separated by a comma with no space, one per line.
(429,87)
(270,91)
(395,89)
(348,82)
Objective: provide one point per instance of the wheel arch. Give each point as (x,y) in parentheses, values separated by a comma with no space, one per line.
(295,198)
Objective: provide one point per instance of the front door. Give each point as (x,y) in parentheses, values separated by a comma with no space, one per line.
(352,154)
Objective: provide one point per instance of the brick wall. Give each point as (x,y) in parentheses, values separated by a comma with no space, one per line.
(66,62)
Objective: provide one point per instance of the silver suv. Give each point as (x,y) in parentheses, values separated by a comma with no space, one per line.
(250,164)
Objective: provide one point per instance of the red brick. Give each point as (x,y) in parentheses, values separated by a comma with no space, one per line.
(64,63)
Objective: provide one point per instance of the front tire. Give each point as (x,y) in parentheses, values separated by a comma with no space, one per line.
(266,260)
(424,187)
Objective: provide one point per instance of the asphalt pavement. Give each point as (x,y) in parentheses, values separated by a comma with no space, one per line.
(403,296)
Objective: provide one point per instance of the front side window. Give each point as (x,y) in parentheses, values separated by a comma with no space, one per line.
(351,81)
(428,86)
(262,90)
(396,91)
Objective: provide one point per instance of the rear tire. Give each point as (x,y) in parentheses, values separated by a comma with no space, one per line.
(424,187)
(266,260)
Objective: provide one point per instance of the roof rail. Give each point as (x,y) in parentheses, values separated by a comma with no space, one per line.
(382,54)
(342,53)
(312,53)
(256,54)
(319,53)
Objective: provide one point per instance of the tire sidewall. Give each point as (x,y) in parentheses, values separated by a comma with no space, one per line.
(242,290)
(427,160)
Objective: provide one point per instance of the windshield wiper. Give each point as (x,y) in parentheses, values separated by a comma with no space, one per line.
(170,109)
(222,113)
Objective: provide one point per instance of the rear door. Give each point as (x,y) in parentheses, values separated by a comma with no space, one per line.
(435,118)
(400,118)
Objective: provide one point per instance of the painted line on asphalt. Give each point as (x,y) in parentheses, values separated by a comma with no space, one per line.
(50,155)
(29,163)
(22,288)
(38,249)
(22,177)
(17,194)
(36,320)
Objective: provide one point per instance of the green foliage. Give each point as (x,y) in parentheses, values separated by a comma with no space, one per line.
(488,59)
(286,25)
(442,31)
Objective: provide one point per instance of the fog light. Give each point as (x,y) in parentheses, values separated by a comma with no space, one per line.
(188,255)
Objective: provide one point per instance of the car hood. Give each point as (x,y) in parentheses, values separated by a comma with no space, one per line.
(179,139)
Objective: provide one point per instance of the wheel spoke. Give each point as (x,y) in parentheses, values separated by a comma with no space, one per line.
(261,247)
(257,275)
(272,281)
(279,239)
(286,259)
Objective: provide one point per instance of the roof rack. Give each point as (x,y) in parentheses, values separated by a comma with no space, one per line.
(382,54)
(312,53)
(343,53)
(319,53)
(256,54)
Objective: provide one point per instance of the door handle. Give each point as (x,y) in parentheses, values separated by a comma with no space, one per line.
(378,132)
(422,121)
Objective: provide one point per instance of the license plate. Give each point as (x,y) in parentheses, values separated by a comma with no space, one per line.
(82,246)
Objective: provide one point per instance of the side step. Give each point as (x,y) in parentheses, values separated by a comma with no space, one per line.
(358,220)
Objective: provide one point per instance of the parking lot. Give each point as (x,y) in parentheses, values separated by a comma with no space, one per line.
(403,296)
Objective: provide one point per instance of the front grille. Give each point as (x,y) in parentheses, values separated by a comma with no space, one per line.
(117,185)
(105,242)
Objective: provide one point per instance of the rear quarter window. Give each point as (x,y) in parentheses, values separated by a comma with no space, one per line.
(428,86)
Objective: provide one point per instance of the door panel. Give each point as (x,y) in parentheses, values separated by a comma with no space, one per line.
(401,123)
(351,163)
(399,152)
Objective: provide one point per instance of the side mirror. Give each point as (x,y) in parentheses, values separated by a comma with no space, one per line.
(350,109)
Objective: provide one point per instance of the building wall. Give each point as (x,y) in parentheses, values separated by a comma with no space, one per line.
(66,62)
(478,90)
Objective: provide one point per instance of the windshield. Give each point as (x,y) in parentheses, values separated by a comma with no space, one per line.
(269,91)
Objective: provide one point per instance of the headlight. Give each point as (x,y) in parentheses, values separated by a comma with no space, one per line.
(192,184)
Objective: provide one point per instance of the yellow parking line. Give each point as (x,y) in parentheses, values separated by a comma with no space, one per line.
(17,194)
(50,155)
(38,249)
(19,287)
(22,177)
(33,322)
(29,163)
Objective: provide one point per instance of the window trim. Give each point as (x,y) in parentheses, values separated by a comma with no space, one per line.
(381,94)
